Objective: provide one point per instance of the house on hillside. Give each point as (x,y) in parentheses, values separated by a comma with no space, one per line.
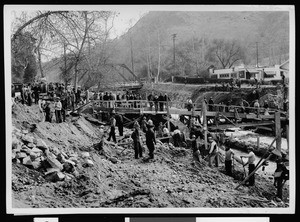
(260,73)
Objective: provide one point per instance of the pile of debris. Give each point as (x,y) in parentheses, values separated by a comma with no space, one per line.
(55,164)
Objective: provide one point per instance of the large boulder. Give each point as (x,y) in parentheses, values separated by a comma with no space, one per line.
(36,164)
(51,159)
(15,143)
(27,139)
(27,161)
(41,145)
(30,145)
(21,155)
(55,176)
(36,150)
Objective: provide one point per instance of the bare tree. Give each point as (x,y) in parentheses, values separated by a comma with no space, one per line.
(227,52)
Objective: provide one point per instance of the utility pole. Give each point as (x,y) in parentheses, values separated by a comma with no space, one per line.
(158,65)
(257,54)
(132,66)
(174,59)
(65,62)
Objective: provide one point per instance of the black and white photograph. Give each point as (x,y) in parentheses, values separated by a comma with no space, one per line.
(150,109)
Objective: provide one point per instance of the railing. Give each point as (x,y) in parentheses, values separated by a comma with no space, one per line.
(165,105)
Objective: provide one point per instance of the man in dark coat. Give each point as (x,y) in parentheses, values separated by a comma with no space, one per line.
(150,140)
(120,123)
(211,104)
(161,100)
(150,100)
(47,111)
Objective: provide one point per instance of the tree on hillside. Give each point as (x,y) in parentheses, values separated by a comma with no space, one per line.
(226,52)
(30,70)
(22,52)
(79,30)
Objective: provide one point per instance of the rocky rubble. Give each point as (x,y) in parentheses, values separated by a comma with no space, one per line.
(54,163)
(58,165)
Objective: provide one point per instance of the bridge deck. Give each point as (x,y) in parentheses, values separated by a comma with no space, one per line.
(143,107)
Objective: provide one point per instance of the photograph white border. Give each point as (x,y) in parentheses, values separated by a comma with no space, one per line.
(47,211)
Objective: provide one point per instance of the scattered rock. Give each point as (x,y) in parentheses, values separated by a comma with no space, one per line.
(21,155)
(36,164)
(113,160)
(36,150)
(85,154)
(61,158)
(88,163)
(33,155)
(55,176)
(51,170)
(68,166)
(27,138)
(54,162)
(30,145)
(55,151)
(41,144)
(27,161)
(26,150)
(74,160)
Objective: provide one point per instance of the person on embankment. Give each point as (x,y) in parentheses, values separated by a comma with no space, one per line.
(196,151)
(229,155)
(150,140)
(138,151)
(213,152)
(112,133)
(251,160)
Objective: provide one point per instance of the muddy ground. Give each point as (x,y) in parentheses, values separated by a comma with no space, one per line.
(115,178)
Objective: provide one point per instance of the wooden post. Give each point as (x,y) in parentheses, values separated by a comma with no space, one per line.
(168,114)
(287,136)
(278,131)
(204,123)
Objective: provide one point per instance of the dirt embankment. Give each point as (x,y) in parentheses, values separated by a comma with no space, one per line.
(69,172)
(181,92)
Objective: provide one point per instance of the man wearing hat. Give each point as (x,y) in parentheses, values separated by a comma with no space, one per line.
(112,132)
(196,152)
(138,151)
(57,108)
(150,139)
(213,152)
(144,124)
(47,111)
(251,160)
(101,137)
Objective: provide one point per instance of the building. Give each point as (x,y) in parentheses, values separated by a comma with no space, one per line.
(260,73)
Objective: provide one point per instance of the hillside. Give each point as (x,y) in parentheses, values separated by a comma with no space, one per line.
(269,29)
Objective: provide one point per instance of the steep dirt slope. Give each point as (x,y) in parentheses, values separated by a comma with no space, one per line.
(116,179)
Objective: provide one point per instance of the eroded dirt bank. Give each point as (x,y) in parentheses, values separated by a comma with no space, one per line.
(116,179)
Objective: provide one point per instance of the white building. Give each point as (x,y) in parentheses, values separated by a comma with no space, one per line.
(260,73)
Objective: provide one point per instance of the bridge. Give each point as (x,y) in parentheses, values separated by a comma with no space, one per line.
(231,115)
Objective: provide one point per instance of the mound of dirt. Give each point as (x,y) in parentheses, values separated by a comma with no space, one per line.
(113,178)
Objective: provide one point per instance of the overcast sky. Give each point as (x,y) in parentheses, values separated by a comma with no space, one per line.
(127,17)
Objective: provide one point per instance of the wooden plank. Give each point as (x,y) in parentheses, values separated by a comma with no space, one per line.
(278,131)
